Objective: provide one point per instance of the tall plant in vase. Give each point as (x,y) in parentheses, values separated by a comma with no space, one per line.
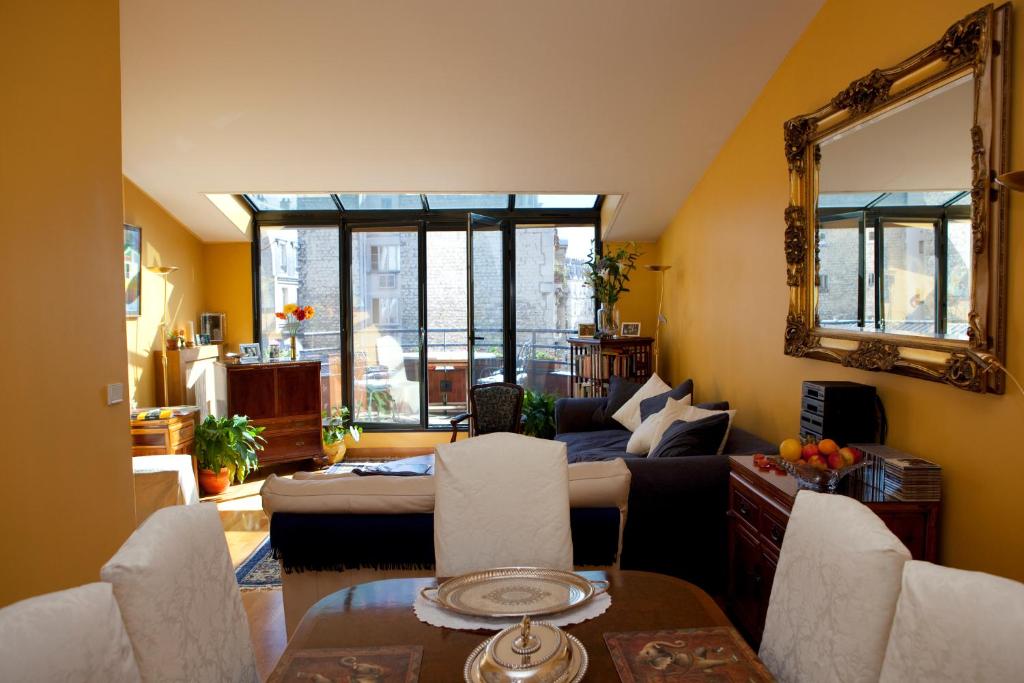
(607,275)
(293,316)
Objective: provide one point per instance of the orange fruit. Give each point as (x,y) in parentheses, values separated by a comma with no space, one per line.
(828,447)
(790,449)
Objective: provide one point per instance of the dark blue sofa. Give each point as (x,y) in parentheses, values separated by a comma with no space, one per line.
(676,521)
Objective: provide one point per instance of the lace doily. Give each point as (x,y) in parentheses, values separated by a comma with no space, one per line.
(430,613)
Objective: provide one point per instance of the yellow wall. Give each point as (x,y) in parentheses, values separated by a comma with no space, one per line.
(165,242)
(228,275)
(68,504)
(728,297)
(640,303)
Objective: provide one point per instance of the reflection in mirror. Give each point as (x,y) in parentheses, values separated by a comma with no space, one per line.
(894,211)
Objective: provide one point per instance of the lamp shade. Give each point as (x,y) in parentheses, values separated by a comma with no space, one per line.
(1013,180)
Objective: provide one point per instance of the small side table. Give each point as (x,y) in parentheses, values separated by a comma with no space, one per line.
(167,436)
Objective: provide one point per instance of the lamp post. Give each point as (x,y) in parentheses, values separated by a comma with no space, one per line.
(660,270)
(163,272)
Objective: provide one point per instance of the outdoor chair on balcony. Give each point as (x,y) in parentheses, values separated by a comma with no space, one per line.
(523,356)
(495,407)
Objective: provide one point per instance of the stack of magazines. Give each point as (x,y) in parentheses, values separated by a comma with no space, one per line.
(912,479)
(898,474)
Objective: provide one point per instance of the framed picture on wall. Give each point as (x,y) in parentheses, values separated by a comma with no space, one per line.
(132,271)
(212,325)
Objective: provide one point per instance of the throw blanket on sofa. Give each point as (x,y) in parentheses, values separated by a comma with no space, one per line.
(336,542)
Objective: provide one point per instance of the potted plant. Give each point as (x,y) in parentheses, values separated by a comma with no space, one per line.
(337,424)
(226,450)
(539,411)
(607,276)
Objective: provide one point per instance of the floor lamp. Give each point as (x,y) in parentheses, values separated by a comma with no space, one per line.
(660,270)
(163,272)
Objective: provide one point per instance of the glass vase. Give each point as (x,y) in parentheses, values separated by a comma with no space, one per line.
(607,320)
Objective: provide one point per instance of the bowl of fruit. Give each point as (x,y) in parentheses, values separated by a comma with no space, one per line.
(818,465)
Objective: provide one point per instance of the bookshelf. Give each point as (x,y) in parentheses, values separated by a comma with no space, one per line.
(593,361)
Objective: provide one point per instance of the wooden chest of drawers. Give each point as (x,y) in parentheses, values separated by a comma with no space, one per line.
(285,399)
(759,507)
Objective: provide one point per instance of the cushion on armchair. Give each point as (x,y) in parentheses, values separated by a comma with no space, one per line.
(629,414)
(655,404)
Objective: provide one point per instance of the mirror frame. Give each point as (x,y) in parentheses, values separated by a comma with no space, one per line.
(978,44)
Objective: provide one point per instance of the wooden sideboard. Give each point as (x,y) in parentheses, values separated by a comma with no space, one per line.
(283,397)
(759,507)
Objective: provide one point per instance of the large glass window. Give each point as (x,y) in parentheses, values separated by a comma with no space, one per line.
(300,265)
(909,268)
(551,301)
(385,326)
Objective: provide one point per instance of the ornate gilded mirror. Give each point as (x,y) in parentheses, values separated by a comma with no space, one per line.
(895,231)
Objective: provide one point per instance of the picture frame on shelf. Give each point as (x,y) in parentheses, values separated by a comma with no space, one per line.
(132,271)
(250,353)
(586,330)
(214,326)
(630,330)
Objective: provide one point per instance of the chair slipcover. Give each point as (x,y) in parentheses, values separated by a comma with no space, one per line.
(70,635)
(834,594)
(955,625)
(501,500)
(176,588)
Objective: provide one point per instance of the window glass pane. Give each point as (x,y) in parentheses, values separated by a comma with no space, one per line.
(292,202)
(447,357)
(958,278)
(839,274)
(963,201)
(380,200)
(488,306)
(555,201)
(851,200)
(300,266)
(908,288)
(918,198)
(385,324)
(551,301)
(467,201)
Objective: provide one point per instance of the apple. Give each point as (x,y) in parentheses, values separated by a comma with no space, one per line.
(789,450)
(816,462)
(835,461)
(809,451)
(851,455)
(828,447)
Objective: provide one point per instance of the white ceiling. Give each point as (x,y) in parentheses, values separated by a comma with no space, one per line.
(630,97)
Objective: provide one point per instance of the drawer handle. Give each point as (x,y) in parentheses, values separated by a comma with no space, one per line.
(743,510)
(300,443)
(776,533)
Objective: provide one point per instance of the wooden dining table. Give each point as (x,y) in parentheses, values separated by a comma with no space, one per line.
(380,613)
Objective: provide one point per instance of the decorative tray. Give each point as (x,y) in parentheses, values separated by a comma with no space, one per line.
(514,592)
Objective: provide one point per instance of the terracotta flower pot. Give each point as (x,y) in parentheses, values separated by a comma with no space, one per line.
(214,483)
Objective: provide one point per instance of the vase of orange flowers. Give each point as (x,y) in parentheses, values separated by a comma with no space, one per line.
(293,316)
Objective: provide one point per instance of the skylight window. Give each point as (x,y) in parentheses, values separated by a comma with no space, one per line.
(555,201)
(372,201)
(292,202)
(919,198)
(467,201)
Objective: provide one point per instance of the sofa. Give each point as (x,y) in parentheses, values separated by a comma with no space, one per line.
(677,506)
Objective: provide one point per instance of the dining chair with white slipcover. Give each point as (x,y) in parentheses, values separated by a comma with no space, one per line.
(834,594)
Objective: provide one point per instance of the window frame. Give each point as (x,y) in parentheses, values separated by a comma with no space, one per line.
(425,220)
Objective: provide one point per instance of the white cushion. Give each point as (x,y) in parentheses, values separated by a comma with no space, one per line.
(834,594)
(629,414)
(502,500)
(693,413)
(591,484)
(177,591)
(650,431)
(954,625)
(70,635)
(348,494)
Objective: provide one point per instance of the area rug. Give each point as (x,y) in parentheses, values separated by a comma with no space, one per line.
(260,571)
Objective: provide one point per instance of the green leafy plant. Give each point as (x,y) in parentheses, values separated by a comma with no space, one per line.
(337,424)
(539,411)
(230,442)
(608,274)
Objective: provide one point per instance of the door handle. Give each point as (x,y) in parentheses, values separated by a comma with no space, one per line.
(477,338)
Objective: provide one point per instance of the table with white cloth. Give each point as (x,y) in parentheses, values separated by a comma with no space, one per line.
(162,481)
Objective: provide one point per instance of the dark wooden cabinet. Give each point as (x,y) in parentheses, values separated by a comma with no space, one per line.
(592,362)
(285,399)
(759,508)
